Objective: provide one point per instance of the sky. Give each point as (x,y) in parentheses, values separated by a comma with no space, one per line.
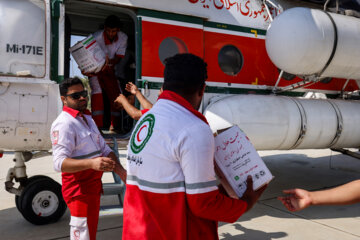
(74,70)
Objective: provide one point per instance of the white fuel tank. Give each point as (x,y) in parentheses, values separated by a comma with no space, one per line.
(305,41)
(281,123)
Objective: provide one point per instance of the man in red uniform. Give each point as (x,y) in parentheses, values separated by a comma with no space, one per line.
(171,190)
(113,42)
(81,154)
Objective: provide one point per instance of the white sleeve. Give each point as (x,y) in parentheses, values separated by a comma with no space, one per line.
(63,143)
(196,156)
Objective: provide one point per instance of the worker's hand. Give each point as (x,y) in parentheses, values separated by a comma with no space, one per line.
(104,164)
(250,196)
(120,99)
(296,200)
(88,74)
(119,170)
(131,88)
(108,64)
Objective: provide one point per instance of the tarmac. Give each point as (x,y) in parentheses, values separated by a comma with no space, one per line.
(309,169)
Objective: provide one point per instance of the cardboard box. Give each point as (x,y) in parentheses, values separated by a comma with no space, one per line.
(88,55)
(235,159)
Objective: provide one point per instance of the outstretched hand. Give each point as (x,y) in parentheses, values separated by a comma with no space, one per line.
(250,196)
(119,101)
(296,200)
(131,88)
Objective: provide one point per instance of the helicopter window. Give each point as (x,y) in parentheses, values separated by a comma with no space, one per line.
(171,46)
(230,60)
(23,51)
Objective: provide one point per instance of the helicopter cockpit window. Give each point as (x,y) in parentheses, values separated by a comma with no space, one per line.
(171,46)
(230,60)
(23,46)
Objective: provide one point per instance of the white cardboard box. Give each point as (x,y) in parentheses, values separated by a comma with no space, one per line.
(88,55)
(237,158)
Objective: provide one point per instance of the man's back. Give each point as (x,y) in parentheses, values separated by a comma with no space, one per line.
(168,146)
(172,127)
(171,188)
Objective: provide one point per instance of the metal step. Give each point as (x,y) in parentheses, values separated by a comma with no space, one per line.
(113,188)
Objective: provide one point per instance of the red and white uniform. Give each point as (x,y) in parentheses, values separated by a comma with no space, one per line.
(107,79)
(171,190)
(73,138)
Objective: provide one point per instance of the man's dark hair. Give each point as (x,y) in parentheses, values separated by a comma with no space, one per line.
(184,74)
(112,21)
(64,85)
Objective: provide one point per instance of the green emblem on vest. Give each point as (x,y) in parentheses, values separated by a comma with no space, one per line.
(142,133)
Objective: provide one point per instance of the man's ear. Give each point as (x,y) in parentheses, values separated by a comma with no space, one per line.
(202,91)
(62,99)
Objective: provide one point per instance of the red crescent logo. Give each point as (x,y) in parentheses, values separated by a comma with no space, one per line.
(137,135)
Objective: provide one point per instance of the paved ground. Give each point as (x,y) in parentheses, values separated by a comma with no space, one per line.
(310,169)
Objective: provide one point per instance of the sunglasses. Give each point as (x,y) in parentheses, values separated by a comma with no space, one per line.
(77,95)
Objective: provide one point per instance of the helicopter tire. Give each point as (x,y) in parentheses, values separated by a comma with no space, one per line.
(28,181)
(41,201)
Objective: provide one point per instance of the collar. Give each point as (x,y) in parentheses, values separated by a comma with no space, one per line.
(107,40)
(74,112)
(172,96)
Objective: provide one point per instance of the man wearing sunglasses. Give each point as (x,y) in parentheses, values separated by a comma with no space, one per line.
(81,154)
